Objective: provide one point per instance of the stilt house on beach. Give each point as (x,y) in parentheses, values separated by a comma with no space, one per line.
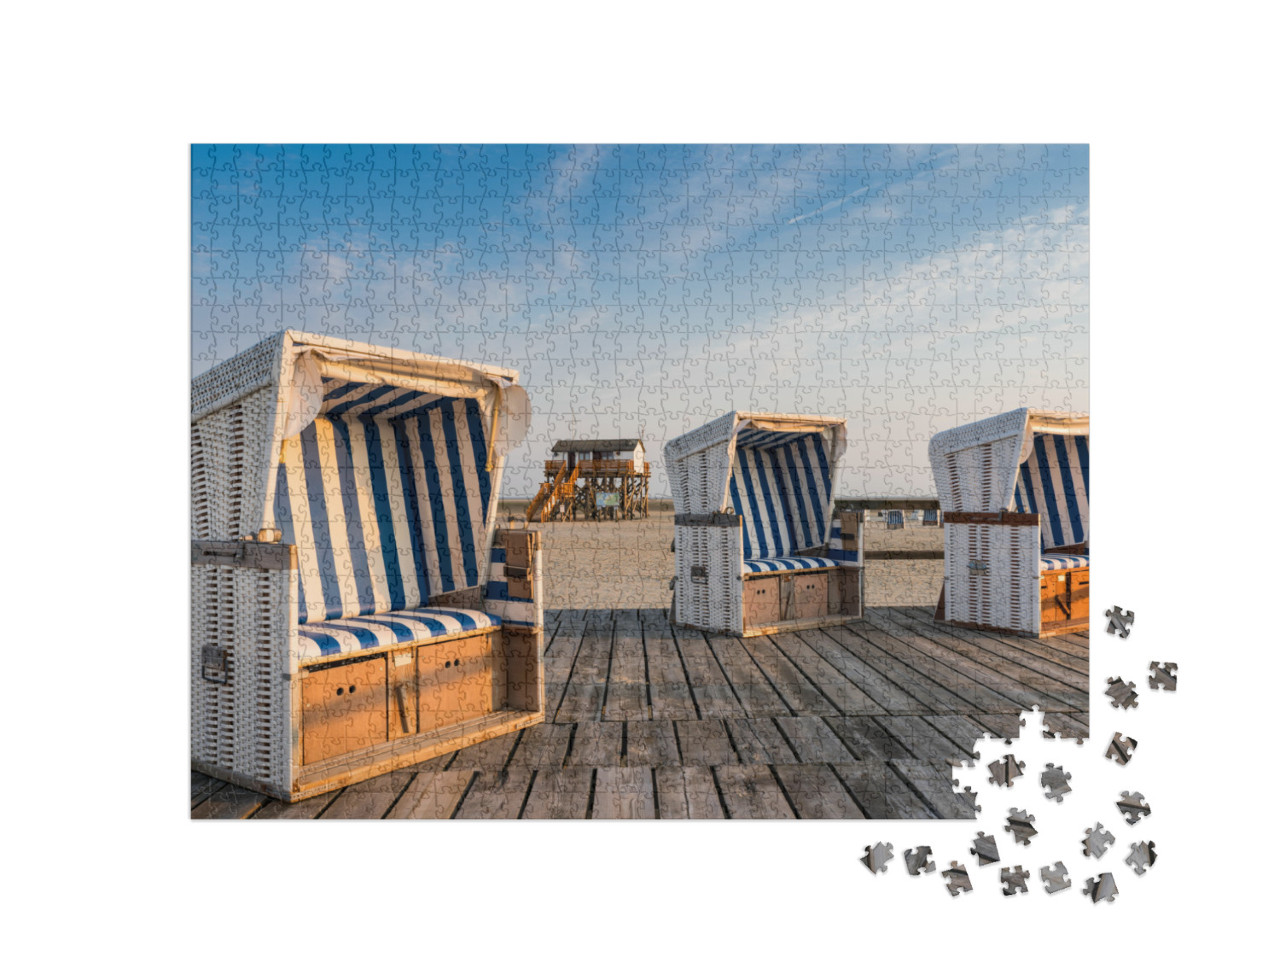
(593,478)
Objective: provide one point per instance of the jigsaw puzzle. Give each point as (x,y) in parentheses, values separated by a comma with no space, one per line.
(1096,841)
(1054,878)
(918,861)
(1142,856)
(1102,887)
(568,482)
(1014,880)
(1164,676)
(1133,806)
(1120,749)
(1019,823)
(1054,781)
(957,879)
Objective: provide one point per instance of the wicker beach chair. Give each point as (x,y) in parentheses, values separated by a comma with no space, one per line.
(756,547)
(355,607)
(1014,491)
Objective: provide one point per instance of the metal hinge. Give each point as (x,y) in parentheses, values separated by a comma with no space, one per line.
(213,664)
(977,566)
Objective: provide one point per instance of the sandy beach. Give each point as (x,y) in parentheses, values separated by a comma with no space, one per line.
(629,564)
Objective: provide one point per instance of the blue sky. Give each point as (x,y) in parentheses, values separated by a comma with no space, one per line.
(643,290)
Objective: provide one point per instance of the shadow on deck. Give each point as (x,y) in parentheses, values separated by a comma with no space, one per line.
(645,720)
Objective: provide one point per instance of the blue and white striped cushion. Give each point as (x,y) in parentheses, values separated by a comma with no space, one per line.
(1054,481)
(512,609)
(835,548)
(355,636)
(787,563)
(1056,561)
(384,513)
(782,490)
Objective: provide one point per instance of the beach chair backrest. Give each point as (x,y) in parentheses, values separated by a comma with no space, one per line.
(1054,481)
(387,497)
(781,486)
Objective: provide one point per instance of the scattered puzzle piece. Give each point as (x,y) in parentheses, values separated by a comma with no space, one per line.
(1122,694)
(1119,621)
(984,847)
(1102,887)
(918,861)
(1121,749)
(1096,841)
(1142,856)
(1133,806)
(957,878)
(878,856)
(1005,771)
(1014,880)
(1055,879)
(1054,780)
(1164,676)
(1020,826)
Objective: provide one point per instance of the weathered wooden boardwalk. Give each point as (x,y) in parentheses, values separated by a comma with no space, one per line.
(645,720)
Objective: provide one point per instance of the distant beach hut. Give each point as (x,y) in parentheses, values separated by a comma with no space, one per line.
(756,547)
(355,606)
(893,520)
(930,517)
(1014,490)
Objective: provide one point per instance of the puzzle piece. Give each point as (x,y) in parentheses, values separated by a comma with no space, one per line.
(1101,887)
(984,847)
(1014,880)
(1122,694)
(1164,676)
(1055,878)
(1121,748)
(1119,622)
(1142,856)
(1054,781)
(968,795)
(1133,806)
(1019,823)
(1096,841)
(918,861)
(1005,771)
(957,879)
(877,857)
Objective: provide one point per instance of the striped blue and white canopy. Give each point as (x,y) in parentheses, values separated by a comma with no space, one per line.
(1054,481)
(781,484)
(387,497)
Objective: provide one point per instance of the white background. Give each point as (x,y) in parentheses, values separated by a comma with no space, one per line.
(102,104)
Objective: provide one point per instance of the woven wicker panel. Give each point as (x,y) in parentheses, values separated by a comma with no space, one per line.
(1006,594)
(714,602)
(230,463)
(230,381)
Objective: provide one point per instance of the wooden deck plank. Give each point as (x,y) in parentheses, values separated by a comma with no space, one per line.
(847,697)
(671,700)
(496,794)
(371,799)
(860,638)
(704,742)
(961,730)
(935,784)
(592,664)
(800,695)
(663,658)
(203,786)
(1074,725)
(1006,725)
(490,754)
(230,802)
(882,695)
(687,792)
(433,795)
(1009,673)
(813,740)
(623,792)
(920,738)
(940,667)
(651,744)
(596,744)
(543,746)
(753,689)
(1040,654)
(865,739)
(752,792)
(816,793)
(559,794)
(627,665)
(581,703)
(626,701)
(880,792)
(760,741)
(306,809)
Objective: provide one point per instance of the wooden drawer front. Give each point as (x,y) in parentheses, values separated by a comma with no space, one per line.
(809,596)
(344,708)
(455,682)
(1055,597)
(1080,594)
(760,601)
